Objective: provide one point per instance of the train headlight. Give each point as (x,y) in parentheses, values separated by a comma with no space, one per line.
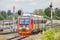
(27,28)
(20,28)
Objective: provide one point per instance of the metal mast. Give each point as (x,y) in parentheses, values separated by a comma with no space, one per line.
(13,15)
(51,14)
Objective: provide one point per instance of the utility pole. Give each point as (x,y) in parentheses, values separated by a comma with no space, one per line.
(13,14)
(51,14)
(13,17)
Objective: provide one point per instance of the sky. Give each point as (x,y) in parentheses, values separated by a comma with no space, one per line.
(27,5)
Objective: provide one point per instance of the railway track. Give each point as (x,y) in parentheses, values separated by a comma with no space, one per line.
(18,37)
(13,38)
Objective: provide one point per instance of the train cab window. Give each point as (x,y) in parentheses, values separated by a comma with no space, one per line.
(24,21)
(27,21)
(21,21)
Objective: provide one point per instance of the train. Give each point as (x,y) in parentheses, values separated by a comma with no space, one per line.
(30,24)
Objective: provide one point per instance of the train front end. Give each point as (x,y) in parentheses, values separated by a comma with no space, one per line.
(24,25)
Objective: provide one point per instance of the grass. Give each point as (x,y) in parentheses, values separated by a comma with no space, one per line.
(5,31)
(57,29)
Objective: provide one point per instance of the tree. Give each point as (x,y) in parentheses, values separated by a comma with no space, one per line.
(1,17)
(48,12)
(39,12)
(16,15)
(3,13)
(57,13)
(9,12)
(10,17)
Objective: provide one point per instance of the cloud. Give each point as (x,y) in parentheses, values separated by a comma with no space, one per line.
(27,5)
(56,1)
(19,0)
(8,5)
(33,3)
(24,0)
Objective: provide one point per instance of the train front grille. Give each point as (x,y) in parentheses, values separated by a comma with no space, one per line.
(23,29)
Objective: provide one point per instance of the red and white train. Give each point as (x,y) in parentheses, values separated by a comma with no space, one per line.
(30,24)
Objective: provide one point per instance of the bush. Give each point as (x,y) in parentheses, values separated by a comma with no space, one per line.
(16,16)
(57,29)
(10,16)
(56,17)
(1,17)
(46,17)
(48,35)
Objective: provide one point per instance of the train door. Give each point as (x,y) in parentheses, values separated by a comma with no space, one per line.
(31,24)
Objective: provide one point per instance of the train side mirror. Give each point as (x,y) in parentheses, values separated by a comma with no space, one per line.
(19,12)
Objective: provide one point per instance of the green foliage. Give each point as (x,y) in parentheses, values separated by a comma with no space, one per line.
(57,29)
(3,13)
(16,16)
(9,12)
(45,13)
(46,17)
(1,17)
(48,35)
(38,12)
(10,17)
(56,17)
(48,12)
(57,14)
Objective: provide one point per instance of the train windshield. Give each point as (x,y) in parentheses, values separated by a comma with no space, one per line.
(24,21)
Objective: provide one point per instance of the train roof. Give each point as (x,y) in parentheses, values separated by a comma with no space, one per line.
(35,17)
